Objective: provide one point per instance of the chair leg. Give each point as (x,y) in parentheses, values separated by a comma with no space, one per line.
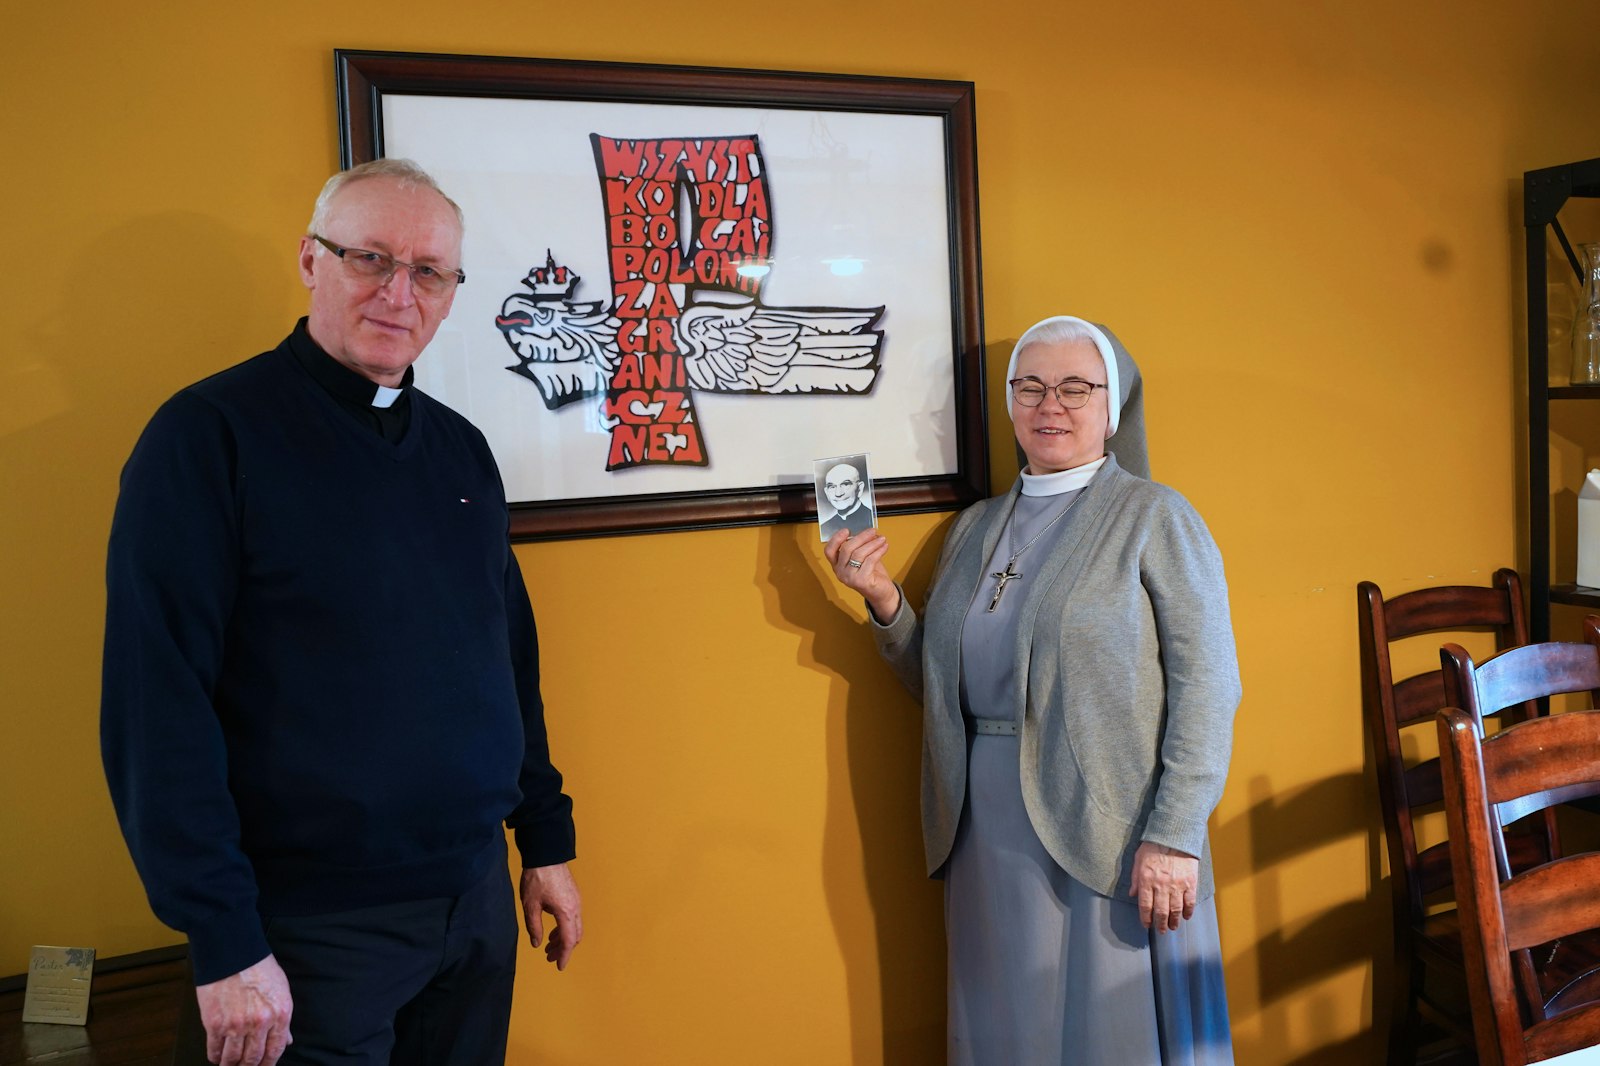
(1404,1024)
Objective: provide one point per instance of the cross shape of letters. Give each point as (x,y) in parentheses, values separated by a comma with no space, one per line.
(690,238)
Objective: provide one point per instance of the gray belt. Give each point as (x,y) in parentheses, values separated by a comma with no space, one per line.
(992,727)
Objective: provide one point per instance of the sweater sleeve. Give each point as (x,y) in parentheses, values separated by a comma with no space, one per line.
(542,823)
(171,578)
(899,639)
(899,642)
(1182,572)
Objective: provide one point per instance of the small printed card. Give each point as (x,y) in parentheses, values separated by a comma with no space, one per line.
(58,985)
(844,495)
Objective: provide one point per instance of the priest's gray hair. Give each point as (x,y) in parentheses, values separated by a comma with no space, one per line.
(402,171)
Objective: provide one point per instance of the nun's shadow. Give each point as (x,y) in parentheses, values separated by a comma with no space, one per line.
(892,943)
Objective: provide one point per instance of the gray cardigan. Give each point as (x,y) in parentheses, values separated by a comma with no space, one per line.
(1132,679)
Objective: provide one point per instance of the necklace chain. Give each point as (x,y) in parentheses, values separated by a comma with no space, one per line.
(1059,516)
(1010,573)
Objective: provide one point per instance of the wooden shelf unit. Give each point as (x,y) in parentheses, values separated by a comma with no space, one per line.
(1544,193)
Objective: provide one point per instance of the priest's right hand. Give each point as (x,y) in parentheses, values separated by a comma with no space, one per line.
(247,1015)
(868,577)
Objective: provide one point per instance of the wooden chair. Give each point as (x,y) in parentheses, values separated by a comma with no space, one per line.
(1509,920)
(1519,680)
(1429,981)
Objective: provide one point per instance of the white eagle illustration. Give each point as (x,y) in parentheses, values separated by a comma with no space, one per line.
(567,349)
(729,341)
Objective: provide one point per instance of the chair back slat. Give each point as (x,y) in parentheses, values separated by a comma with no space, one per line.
(1418,699)
(1513,810)
(1577,1028)
(1432,872)
(1523,759)
(1446,607)
(1422,783)
(1532,672)
(1552,901)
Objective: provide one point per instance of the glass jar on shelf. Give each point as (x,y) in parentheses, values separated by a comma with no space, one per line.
(1586,325)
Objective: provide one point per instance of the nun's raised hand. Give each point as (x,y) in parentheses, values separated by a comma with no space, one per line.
(858,564)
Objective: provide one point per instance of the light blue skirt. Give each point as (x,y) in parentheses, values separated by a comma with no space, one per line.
(1044,972)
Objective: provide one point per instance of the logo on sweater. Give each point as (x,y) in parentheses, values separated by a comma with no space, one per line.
(690,242)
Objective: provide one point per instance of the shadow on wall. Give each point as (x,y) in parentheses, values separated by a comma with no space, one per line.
(143,308)
(1251,852)
(1005,455)
(893,950)
(149,307)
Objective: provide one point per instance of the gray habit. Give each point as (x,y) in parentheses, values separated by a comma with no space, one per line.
(1042,969)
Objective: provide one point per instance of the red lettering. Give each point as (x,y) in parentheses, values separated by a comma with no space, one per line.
(662,371)
(680,274)
(661,336)
(626,229)
(630,293)
(667,166)
(661,231)
(743,151)
(708,198)
(709,238)
(673,408)
(628,446)
(627,375)
(743,236)
(624,261)
(630,338)
(686,450)
(644,183)
(755,205)
(622,404)
(664,304)
(697,159)
(661,265)
(625,197)
(620,159)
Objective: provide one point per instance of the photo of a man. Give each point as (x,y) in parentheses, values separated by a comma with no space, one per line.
(844,495)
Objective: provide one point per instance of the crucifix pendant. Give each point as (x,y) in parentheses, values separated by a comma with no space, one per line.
(1001,578)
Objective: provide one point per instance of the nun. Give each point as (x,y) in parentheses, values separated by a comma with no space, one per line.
(1075,662)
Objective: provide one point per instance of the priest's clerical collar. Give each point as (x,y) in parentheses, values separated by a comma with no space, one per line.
(1061,481)
(344,383)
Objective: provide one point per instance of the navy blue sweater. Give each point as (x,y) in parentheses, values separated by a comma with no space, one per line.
(321,682)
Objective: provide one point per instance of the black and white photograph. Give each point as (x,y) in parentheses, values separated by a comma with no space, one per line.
(844,495)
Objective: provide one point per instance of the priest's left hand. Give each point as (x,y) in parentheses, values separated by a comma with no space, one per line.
(551,890)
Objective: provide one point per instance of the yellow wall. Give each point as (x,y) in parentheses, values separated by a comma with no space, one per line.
(1303,221)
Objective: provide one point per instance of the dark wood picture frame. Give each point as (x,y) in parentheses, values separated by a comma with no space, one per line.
(364,78)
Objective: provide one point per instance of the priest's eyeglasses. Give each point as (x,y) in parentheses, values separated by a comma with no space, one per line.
(1073,392)
(426,279)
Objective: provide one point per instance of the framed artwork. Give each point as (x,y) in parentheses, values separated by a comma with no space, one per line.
(685,283)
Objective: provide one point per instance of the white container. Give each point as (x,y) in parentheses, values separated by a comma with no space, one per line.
(1589,531)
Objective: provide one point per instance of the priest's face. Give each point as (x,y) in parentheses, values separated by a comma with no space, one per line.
(377,327)
(1052,436)
(843,487)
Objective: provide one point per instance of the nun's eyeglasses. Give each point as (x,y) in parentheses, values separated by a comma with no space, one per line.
(1073,392)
